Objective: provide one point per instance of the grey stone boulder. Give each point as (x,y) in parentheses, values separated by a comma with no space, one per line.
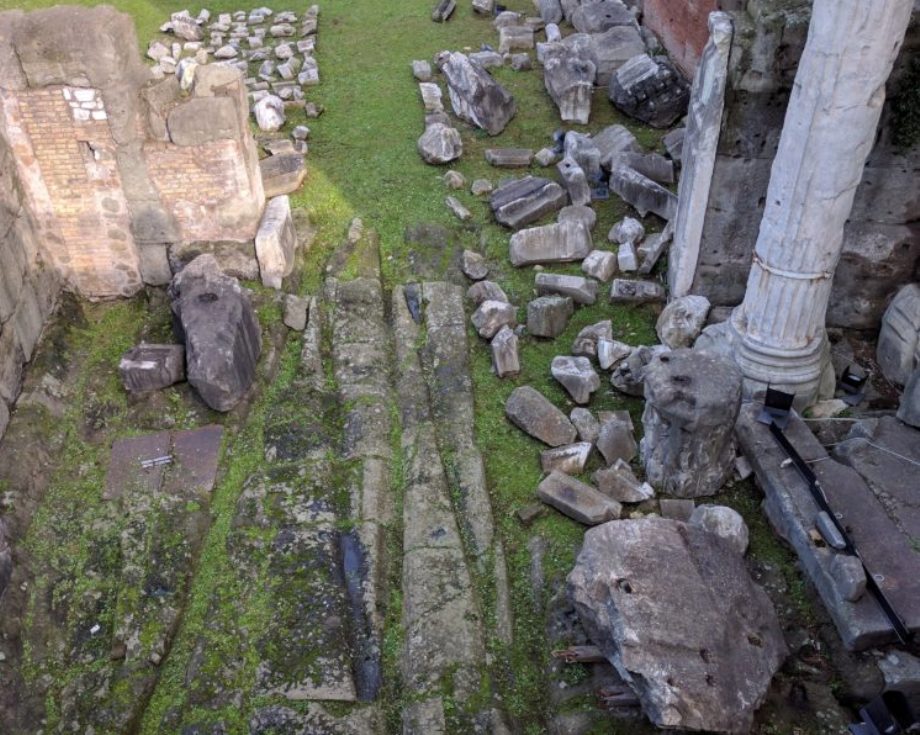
(222,337)
(276,242)
(569,80)
(585,424)
(294,313)
(613,141)
(523,201)
(442,10)
(473,265)
(583,150)
(421,70)
(530,411)
(480,187)
(269,113)
(674,609)
(485,291)
(575,181)
(620,483)
(576,375)
(504,348)
(474,95)
(577,500)
(491,316)
(629,374)
(898,350)
(626,291)
(651,90)
(548,316)
(585,344)
(724,522)
(440,144)
(581,290)
(562,242)
(545,157)
(600,264)
(597,17)
(682,321)
(580,214)
(611,351)
(570,459)
(692,400)
(643,194)
(148,367)
(615,440)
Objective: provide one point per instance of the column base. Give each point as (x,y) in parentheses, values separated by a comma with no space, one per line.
(807,372)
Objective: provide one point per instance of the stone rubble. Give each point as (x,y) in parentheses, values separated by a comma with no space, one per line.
(149,367)
(577,500)
(531,411)
(577,376)
(474,95)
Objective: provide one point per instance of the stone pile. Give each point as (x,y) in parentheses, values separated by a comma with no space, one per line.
(274,51)
(494,317)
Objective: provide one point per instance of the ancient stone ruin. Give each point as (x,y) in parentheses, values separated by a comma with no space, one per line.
(574,388)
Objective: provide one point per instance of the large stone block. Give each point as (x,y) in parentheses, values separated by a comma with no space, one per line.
(275,242)
(222,336)
(643,193)
(475,96)
(282,174)
(203,119)
(569,80)
(523,201)
(562,242)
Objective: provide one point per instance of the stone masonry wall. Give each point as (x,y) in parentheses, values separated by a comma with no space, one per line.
(28,289)
(882,242)
(115,167)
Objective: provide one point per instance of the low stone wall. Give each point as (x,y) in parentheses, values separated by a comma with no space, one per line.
(882,242)
(28,290)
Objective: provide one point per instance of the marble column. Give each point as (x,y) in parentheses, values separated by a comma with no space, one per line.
(701,143)
(777,334)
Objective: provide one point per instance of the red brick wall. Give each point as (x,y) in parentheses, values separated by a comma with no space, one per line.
(682,26)
(67,161)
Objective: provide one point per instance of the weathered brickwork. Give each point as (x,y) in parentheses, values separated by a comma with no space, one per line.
(683,27)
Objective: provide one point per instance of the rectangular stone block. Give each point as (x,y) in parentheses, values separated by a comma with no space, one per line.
(275,242)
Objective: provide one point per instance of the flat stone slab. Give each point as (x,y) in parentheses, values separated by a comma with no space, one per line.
(886,551)
(577,500)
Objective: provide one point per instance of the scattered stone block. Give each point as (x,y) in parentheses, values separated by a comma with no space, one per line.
(530,411)
(615,441)
(474,95)
(505,360)
(724,522)
(577,376)
(275,242)
(454,180)
(651,165)
(480,187)
(491,316)
(598,17)
(620,483)
(898,350)
(550,11)
(691,403)
(222,337)
(627,230)
(484,7)
(579,213)
(514,38)
(629,374)
(682,321)
(548,316)
(575,181)
(635,292)
(295,311)
(509,157)
(530,513)
(674,143)
(269,113)
(443,10)
(585,424)
(580,290)
(600,264)
(613,141)
(627,260)
(677,509)
(569,80)
(569,460)
(577,500)
(658,595)
(654,246)
(421,70)
(588,338)
(521,62)
(642,193)
(562,242)
(849,577)
(524,201)
(474,266)
(150,367)
(431,96)
(459,211)
(650,90)
(487,59)
(546,157)
(485,291)
(440,144)
(610,352)
(282,174)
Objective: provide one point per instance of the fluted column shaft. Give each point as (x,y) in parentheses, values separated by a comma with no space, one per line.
(829,131)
